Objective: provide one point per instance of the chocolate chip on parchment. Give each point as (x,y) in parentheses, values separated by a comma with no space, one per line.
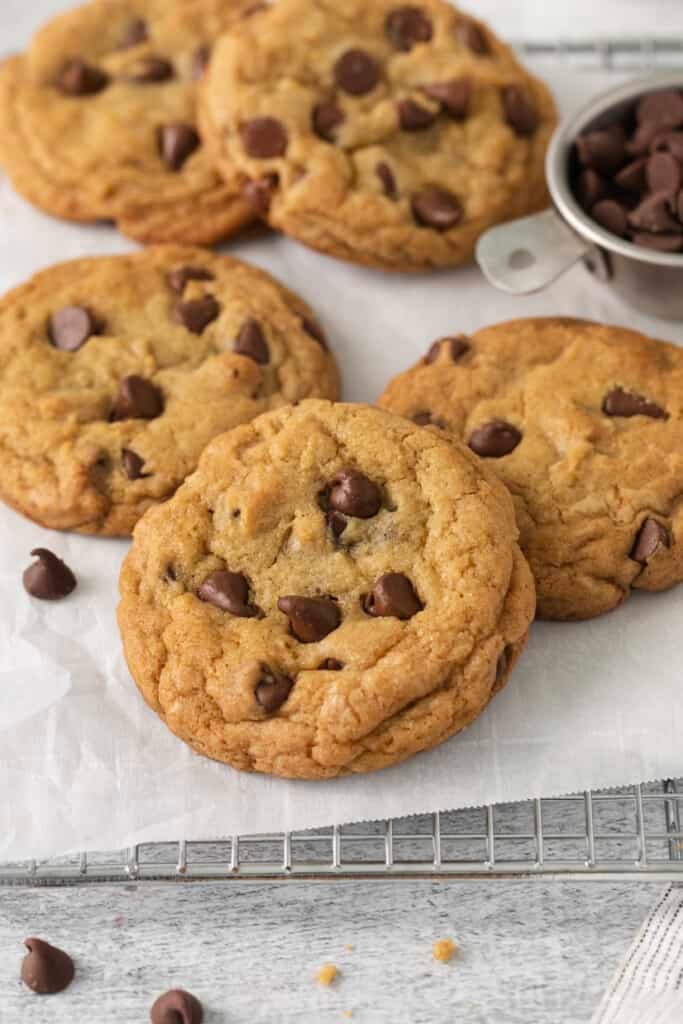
(46,969)
(80,79)
(272,689)
(69,328)
(519,111)
(150,70)
(471,36)
(356,72)
(405,27)
(619,402)
(435,207)
(136,33)
(137,399)
(387,179)
(413,117)
(315,330)
(177,1007)
(49,578)
(252,343)
(176,142)
(310,618)
(354,494)
(453,95)
(258,192)
(392,595)
(664,108)
(264,137)
(494,440)
(179,277)
(611,215)
(228,591)
(200,61)
(651,537)
(326,116)
(455,347)
(133,464)
(197,313)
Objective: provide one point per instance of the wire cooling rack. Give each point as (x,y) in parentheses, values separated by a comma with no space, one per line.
(632,832)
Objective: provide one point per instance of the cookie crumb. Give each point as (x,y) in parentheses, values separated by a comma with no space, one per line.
(327,974)
(349,948)
(348,1014)
(443,950)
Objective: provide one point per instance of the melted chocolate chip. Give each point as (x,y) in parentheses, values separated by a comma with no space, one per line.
(272,689)
(196,314)
(228,591)
(49,578)
(176,142)
(331,665)
(177,1007)
(392,595)
(471,36)
(424,419)
(177,279)
(354,494)
(200,61)
(150,70)
(327,115)
(337,523)
(651,537)
(494,440)
(387,179)
(310,618)
(519,111)
(135,33)
(436,208)
(138,399)
(315,331)
(619,402)
(453,95)
(80,79)
(71,327)
(356,72)
(405,27)
(258,192)
(133,464)
(455,347)
(412,117)
(264,137)
(252,343)
(46,969)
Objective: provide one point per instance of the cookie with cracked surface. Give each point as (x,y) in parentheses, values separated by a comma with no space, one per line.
(584,424)
(98,120)
(384,133)
(332,591)
(115,372)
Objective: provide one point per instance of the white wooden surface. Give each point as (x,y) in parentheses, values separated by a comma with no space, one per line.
(532,952)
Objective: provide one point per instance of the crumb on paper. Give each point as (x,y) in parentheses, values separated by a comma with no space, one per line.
(349,948)
(443,950)
(348,1014)
(327,974)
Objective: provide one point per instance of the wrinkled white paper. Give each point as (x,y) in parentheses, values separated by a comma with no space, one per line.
(85,765)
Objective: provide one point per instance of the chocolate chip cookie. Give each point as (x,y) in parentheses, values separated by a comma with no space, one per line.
(333,590)
(385,133)
(115,372)
(584,423)
(98,120)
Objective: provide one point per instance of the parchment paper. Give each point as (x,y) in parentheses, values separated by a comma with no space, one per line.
(85,765)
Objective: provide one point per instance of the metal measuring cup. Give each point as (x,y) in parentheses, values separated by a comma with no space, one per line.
(527,255)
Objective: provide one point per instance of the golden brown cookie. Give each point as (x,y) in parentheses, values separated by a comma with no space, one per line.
(383,133)
(584,424)
(332,591)
(115,372)
(98,120)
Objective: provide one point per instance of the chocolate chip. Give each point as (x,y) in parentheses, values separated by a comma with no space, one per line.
(454,96)
(259,192)
(412,117)
(138,399)
(392,595)
(272,689)
(356,72)
(602,150)
(435,207)
(672,142)
(331,665)
(200,61)
(178,278)
(310,618)
(354,494)
(611,215)
(653,215)
(387,179)
(80,79)
(264,137)
(424,419)
(619,402)
(519,110)
(651,537)
(315,331)
(590,188)
(151,69)
(196,314)
(337,523)
(664,108)
(632,177)
(71,327)
(49,578)
(252,343)
(177,1007)
(494,440)
(644,136)
(406,27)
(327,115)
(471,36)
(660,243)
(228,591)
(46,969)
(133,464)
(176,142)
(663,173)
(455,347)
(135,33)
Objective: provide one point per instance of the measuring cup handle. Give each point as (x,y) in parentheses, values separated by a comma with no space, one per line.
(527,255)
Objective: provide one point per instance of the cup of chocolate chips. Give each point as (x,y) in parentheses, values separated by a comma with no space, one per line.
(615,175)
